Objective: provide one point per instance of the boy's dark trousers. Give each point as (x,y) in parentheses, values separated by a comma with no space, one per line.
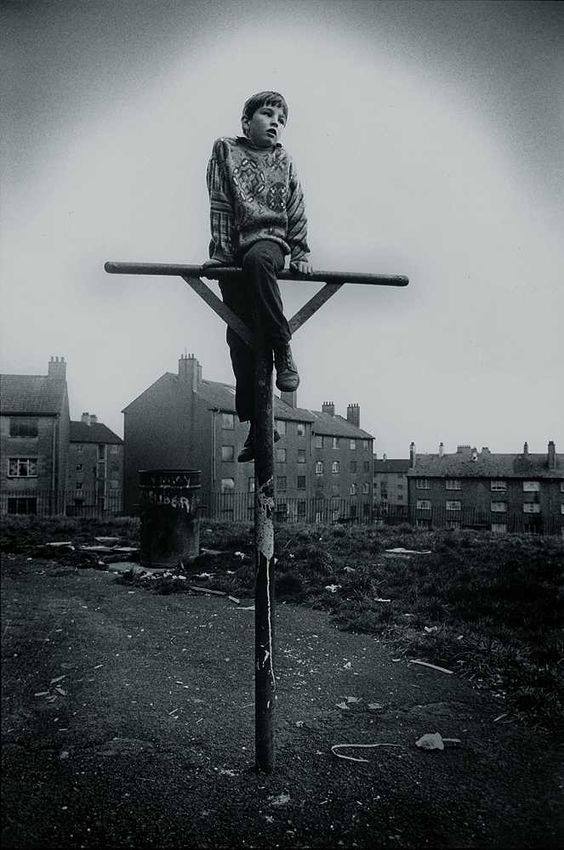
(256,300)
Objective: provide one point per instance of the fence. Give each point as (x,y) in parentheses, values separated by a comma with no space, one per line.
(239,506)
(44,503)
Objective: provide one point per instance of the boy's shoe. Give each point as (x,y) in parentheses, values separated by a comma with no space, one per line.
(287,378)
(247,453)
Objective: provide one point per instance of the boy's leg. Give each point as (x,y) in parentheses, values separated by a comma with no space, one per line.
(238,296)
(261,265)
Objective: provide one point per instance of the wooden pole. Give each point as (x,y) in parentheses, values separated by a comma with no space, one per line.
(265,683)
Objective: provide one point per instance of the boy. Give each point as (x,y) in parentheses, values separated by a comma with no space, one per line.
(257,217)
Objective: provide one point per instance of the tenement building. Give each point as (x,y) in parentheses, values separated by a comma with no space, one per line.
(390,488)
(322,462)
(34,439)
(94,469)
(521,492)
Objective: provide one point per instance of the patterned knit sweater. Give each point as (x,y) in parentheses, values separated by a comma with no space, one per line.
(254,194)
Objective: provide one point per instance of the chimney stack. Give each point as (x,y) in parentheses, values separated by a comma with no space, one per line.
(290,397)
(441,449)
(551,455)
(474,455)
(57,368)
(93,419)
(353,414)
(412,455)
(526,449)
(85,418)
(328,407)
(190,371)
(384,456)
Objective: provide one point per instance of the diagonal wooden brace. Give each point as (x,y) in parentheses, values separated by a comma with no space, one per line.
(313,305)
(235,323)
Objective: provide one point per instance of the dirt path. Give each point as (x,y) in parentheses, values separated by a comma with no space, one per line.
(151,741)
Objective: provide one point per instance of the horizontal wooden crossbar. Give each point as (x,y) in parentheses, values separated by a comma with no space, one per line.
(216,272)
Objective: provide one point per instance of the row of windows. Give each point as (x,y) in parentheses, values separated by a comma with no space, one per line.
(228,424)
(26,467)
(336,467)
(325,442)
(495,485)
(496,507)
(228,485)
(320,441)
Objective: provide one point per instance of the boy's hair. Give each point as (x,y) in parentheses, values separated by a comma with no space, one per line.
(264,98)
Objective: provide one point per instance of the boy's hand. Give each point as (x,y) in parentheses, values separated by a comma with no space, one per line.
(302,266)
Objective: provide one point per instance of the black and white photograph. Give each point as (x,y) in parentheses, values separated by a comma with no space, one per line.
(282,424)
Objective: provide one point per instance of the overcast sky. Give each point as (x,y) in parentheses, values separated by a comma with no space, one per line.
(429,138)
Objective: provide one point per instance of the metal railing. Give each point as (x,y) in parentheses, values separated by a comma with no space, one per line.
(45,503)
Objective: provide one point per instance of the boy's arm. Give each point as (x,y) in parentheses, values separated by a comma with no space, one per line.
(221,209)
(297,226)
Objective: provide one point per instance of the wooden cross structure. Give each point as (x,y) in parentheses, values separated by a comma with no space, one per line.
(265,682)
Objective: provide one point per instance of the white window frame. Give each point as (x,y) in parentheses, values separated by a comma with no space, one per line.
(318,441)
(531,486)
(353,490)
(319,467)
(232,453)
(299,480)
(453,484)
(352,445)
(499,527)
(453,505)
(16,465)
(498,507)
(422,484)
(227,488)
(531,508)
(281,454)
(302,456)
(227,421)
(334,442)
(423,504)
(498,486)
(300,429)
(336,467)
(280,425)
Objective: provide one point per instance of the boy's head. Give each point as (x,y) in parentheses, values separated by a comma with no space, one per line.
(264,117)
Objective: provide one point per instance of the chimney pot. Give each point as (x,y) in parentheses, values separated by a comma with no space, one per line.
(328,407)
(525,448)
(353,414)
(85,418)
(190,371)
(57,368)
(441,449)
(412,455)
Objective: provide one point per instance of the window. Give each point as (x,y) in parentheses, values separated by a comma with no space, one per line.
(301,482)
(23,427)
(531,486)
(114,484)
(531,508)
(562,508)
(79,485)
(301,508)
(353,489)
(366,466)
(335,443)
(365,488)
(353,465)
(318,441)
(453,523)
(499,527)
(22,467)
(498,485)
(101,451)
(300,429)
(114,449)
(280,425)
(79,467)
(319,467)
(80,448)
(335,467)
(400,486)
(367,445)
(499,507)
(22,505)
(335,489)
(422,484)
(280,455)
(301,455)
(227,485)
(281,482)
(352,445)
(453,484)
(423,504)
(228,453)
(281,509)
(562,486)
(453,506)
(227,421)
(251,484)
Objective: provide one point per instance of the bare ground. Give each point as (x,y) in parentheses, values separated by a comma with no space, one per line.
(150,740)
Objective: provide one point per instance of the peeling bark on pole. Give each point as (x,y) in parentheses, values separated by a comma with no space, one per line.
(265,683)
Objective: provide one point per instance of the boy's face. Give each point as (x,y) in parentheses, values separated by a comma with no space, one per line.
(265,127)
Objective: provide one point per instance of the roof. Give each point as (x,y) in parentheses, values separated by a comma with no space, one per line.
(32,394)
(400,465)
(337,426)
(80,432)
(486,465)
(222,396)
